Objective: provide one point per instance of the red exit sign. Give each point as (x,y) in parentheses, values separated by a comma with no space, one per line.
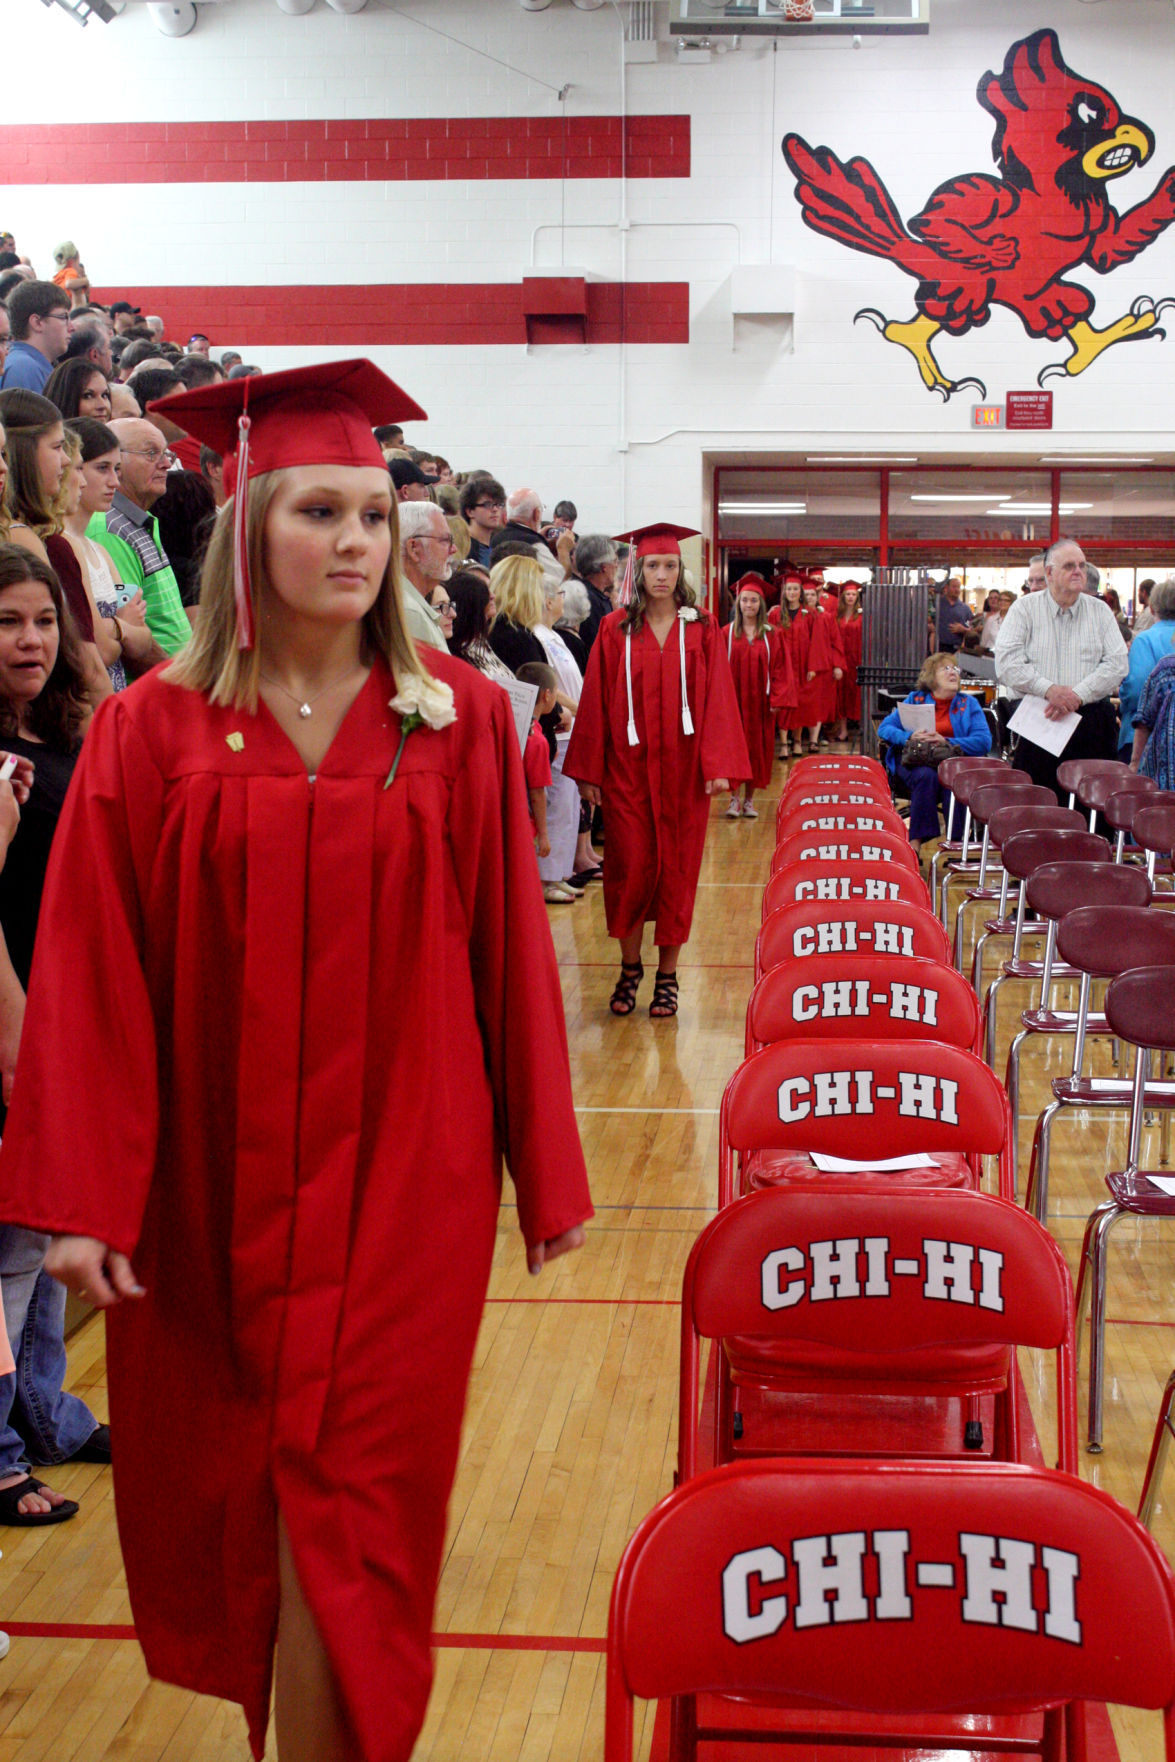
(987,415)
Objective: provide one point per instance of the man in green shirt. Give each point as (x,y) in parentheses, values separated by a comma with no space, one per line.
(130,532)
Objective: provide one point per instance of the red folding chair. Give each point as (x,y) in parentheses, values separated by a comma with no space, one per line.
(1138,1010)
(845,766)
(899,1297)
(845,847)
(866,1101)
(1154,831)
(985,802)
(1100,942)
(892,996)
(961,775)
(1094,791)
(961,1606)
(810,927)
(848,882)
(865,795)
(1072,772)
(1120,807)
(808,817)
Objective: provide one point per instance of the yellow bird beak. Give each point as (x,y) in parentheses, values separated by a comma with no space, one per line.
(1126,148)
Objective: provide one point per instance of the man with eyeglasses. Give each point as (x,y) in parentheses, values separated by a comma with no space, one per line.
(39,315)
(130,532)
(483,509)
(426,557)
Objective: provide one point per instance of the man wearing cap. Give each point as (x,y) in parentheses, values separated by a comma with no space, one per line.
(125,316)
(426,557)
(290,862)
(130,532)
(39,315)
(409,481)
(198,344)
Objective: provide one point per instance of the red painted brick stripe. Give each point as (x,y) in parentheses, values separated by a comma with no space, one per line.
(408,314)
(383,149)
(82,1630)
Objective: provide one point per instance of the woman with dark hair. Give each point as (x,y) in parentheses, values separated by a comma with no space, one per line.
(849,628)
(78,388)
(43,711)
(787,617)
(657,734)
(474,608)
(186,511)
(120,622)
(237,930)
(763,683)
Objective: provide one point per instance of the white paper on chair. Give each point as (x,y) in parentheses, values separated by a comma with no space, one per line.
(917,718)
(1165,1183)
(1031,723)
(839,1165)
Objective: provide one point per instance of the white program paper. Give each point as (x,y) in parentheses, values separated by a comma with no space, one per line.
(1031,723)
(522,700)
(839,1165)
(1164,1183)
(917,718)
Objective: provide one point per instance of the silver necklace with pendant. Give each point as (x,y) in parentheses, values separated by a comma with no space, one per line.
(305,705)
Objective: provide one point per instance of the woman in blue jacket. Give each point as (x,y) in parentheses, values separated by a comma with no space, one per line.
(957,719)
(1149,647)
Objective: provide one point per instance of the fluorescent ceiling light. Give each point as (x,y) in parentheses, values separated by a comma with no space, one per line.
(1094,459)
(763,507)
(1038,508)
(863,459)
(987,496)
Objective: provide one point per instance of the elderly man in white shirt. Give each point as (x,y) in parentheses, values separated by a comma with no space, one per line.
(426,557)
(1064,646)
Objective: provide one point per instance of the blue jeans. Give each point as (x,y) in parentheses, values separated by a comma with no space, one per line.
(53,1425)
(926,795)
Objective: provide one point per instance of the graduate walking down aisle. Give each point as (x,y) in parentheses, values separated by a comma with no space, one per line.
(658,733)
(293,904)
(764,684)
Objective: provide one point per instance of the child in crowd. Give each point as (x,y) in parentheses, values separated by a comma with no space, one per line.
(536,759)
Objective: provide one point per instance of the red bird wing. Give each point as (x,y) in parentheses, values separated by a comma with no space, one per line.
(964,221)
(847,202)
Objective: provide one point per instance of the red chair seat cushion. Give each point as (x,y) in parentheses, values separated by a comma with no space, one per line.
(773,1168)
(804,1366)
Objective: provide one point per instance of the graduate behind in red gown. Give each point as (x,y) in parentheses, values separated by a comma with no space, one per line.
(819,663)
(764,684)
(657,733)
(848,626)
(293,903)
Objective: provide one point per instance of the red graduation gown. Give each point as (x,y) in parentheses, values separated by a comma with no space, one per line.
(848,692)
(278,1036)
(655,806)
(764,685)
(815,650)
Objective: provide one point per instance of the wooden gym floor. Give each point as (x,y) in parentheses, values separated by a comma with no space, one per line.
(570,1432)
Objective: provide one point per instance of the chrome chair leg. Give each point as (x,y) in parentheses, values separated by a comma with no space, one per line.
(1012,1085)
(1160,1445)
(1093,1269)
(1038,1173)
(989,1005)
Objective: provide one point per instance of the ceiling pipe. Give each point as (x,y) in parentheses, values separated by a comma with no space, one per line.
(295,8)
(347,6)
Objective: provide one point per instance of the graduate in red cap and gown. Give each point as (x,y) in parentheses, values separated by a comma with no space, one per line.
(787,618)
(818,661)
(656,734)
(764,684)
(848,628)
(293,904)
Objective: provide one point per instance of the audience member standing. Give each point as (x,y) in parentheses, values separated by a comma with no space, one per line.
(120,625)
(39,315)
(483,509)
(1148,648)
(953,616)
(596,565)
(130,531)
(426,557)
(657,734)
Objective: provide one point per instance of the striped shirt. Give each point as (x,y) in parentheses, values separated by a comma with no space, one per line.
(1041,644)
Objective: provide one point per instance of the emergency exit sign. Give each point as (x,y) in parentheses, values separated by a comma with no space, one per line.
(1019,410)
(987,415)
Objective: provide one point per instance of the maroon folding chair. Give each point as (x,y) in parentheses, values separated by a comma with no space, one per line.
(1122,804)
(1138,1010)
(849,882)
(957,774)
(1072,772)
(1093,792)
(987,800)
(811,927)
(901,1297)
(1100,942)
(1154,831)
(1053,890)
(892,996)
(930,1607)
(865,1102)
(1005,823)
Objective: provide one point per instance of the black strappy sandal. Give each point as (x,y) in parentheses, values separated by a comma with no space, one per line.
(664,1002)
(623,999)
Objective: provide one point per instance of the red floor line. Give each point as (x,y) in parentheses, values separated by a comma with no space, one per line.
(84,1630)
(672,1302)
(1122,1321)
(682,966)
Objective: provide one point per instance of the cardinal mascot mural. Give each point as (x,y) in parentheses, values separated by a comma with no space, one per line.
(1012,239)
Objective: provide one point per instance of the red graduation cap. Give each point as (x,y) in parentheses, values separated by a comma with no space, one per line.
(320,415)
(750,583)
(661,540)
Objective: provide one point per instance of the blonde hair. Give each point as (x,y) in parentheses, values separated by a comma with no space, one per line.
(213,664)
(930,667)
(60,500)
(517,586)
(683,593)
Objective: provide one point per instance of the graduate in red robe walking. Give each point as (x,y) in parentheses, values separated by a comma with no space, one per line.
(848,628)
(293,907)
(764,684)
(818,661)
(656,734)
(783,618)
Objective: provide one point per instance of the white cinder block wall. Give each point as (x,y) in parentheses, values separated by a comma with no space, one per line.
(620,428)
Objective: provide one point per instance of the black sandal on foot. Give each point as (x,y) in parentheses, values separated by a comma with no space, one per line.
(664,1002)
(623,999)
(10,1498)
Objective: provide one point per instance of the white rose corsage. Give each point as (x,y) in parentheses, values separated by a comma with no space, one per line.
(688,614)
(420,703)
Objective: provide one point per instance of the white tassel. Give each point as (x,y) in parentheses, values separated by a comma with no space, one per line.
(687,721)
(634,738)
